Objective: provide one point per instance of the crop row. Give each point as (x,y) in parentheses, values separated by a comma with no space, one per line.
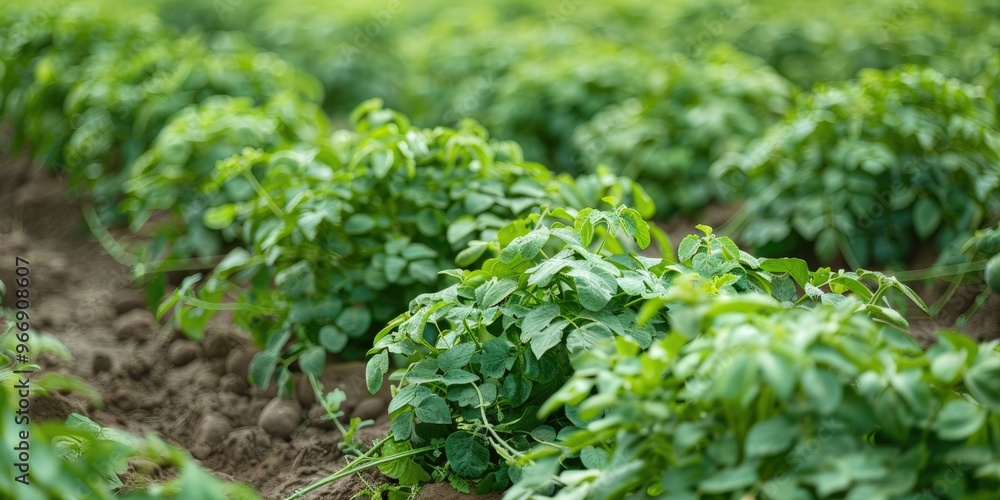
(557,358)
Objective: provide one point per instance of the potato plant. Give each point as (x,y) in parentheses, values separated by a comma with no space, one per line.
(89,87)
(871,168)
(336,239)
(668,138)
(747,397)
(169,176)
(486,353)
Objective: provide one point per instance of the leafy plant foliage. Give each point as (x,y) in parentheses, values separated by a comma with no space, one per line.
(338,238)
(486,353)
(870,168)
(747,397)
(668,137)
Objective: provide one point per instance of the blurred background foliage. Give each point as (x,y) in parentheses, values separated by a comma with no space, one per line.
(655,91)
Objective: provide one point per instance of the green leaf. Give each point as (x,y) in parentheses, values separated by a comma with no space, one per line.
(219,217)
(402,425)
(737,380)
(770,437)
(394,266)
(729,480)
(587,336)
(592,291)
(359,224)
(823,389)
(493,291)
(888,316)
(433,410)
(688,247)
(313,361)
(476,203)
(642,201)
(457,376)
(416,251)
(332,338)
(527,246)
(404,469)
(235,258)
(467,455)
(783,289)
(262,368)
(456,357)
(471,254)
(355,321)
(493,359)
(461,228)
(798,269)
(428,222)
(983,381)
(547,338)
(947,366)
(594,458)
(958,420)
(926,217)
(375,371)
(636,227)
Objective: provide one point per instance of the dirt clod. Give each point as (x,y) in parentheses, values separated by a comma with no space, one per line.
(317,418)
(102,363)
(280,417)
(346,376)
(238,362)
(137,369)
(235,384)
(213,429)
(183,352)
(129,300)
(138,324)
(207,380)
(371,408)
(215,347)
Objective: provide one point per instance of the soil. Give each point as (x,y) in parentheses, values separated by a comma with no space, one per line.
(153,380)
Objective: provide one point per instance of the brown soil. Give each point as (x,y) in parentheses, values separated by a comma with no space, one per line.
(149,377)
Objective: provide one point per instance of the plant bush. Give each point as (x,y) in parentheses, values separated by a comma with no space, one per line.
(667,139)
(337,239)
(169,176)
(552,88)
(868,169)
(747,397)
(90,87)
(486,353)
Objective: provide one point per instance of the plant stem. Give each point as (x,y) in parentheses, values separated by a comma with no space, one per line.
(351,468)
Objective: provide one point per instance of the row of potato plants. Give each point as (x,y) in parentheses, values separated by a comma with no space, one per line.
(319,225)
(87,91)
(323,226)
(663,117)
(561,369)
(541,83)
